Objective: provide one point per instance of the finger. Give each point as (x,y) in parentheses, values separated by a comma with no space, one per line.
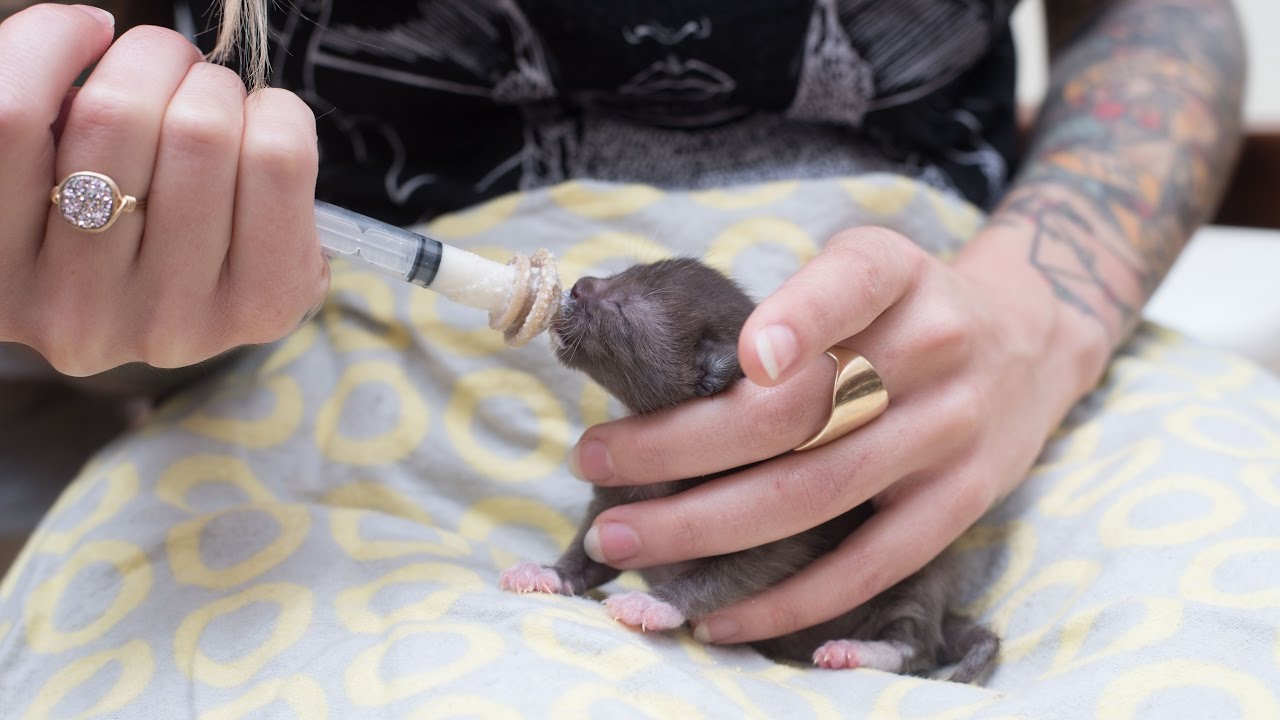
(61,122)
(189,219)
(275,272)
(43,49)
(749,423)
(783,497)
(113,127)
(746,424)
(861,273)
(896,542)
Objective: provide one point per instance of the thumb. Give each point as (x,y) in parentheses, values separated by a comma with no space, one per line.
(859,275)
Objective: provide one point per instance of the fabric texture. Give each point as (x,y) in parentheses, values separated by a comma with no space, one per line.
(429,106)
(318,531)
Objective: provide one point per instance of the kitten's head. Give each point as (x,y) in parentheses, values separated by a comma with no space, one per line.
(654,335)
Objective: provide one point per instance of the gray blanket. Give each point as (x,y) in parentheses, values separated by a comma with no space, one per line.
(317,531)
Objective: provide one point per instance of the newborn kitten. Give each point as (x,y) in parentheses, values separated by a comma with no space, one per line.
(657,335)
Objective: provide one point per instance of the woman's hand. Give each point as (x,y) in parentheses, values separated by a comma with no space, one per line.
(978,374)
(225,252)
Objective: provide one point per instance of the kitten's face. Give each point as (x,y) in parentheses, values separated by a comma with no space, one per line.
(642,334)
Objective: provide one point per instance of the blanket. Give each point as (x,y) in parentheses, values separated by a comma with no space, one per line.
(318,530)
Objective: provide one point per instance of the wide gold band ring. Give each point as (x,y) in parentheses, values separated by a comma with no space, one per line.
(857,398)
(92,201)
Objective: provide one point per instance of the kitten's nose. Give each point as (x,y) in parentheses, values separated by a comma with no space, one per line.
(586,288)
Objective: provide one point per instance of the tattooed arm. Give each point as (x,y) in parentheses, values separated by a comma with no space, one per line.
(1132,150)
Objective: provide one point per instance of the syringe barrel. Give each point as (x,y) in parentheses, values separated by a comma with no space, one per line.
(386,248)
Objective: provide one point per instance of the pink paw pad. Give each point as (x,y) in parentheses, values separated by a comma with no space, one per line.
(839,654)
(530,577)
(644,611)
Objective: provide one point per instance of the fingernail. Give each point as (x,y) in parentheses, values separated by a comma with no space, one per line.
(776,346)
(611,543)
(714,630)
(572,462)
(102,16)
(590,461)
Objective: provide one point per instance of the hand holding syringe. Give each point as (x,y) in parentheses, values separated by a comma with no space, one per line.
(522,296)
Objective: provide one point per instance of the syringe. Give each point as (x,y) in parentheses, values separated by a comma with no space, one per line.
(522,296)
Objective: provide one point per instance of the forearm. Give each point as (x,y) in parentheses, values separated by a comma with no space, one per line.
(1131,153)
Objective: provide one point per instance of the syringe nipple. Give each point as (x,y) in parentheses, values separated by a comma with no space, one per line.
(534,300)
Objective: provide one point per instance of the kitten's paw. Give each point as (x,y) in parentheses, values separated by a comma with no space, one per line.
(644,611)
(838,654)
(528,577)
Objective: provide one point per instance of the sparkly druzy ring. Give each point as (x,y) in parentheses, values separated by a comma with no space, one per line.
(92,201)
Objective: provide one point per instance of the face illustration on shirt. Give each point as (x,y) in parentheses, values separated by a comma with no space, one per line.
(689,64)
(674,64)
(427,105)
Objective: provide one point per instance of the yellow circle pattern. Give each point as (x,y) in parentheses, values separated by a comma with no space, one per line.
(186,474)
(356,502)
(490,514)
(366,686)
(1125,695)
(1161,619)
(414,519)
(1224,509)
(577,703)
(354,609)
(1198,583)
(464,706)
(551,437)
(265,432)
(474,221)
(1075,575)
(745,198)
(127,561)
(137,666)
(541,631)
(604,203)
(1246,439)
(592,254)
(755,232)
(119,485)
(294,605)
(304,696)
(394,444)
(386,332)
(1264,481)
(187,562)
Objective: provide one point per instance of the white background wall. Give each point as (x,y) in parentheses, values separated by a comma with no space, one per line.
(1261,19)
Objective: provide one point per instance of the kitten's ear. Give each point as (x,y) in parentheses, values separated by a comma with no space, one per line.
(718,367)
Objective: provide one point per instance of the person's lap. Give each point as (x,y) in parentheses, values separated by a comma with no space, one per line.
(323,524)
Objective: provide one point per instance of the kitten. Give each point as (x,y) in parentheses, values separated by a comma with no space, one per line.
(656,335)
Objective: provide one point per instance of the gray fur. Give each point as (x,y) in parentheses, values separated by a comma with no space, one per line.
(659,334)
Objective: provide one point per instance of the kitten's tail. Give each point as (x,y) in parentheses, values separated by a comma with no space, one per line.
(970,644)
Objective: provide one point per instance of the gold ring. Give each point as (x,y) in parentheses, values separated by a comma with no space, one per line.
(92,201)
(857,397)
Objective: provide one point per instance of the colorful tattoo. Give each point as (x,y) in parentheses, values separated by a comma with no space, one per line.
(1132,150)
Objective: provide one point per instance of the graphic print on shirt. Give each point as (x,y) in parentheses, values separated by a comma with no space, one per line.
(836,84)
(430,105)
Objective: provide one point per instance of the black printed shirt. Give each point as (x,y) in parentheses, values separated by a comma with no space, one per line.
(427,106)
